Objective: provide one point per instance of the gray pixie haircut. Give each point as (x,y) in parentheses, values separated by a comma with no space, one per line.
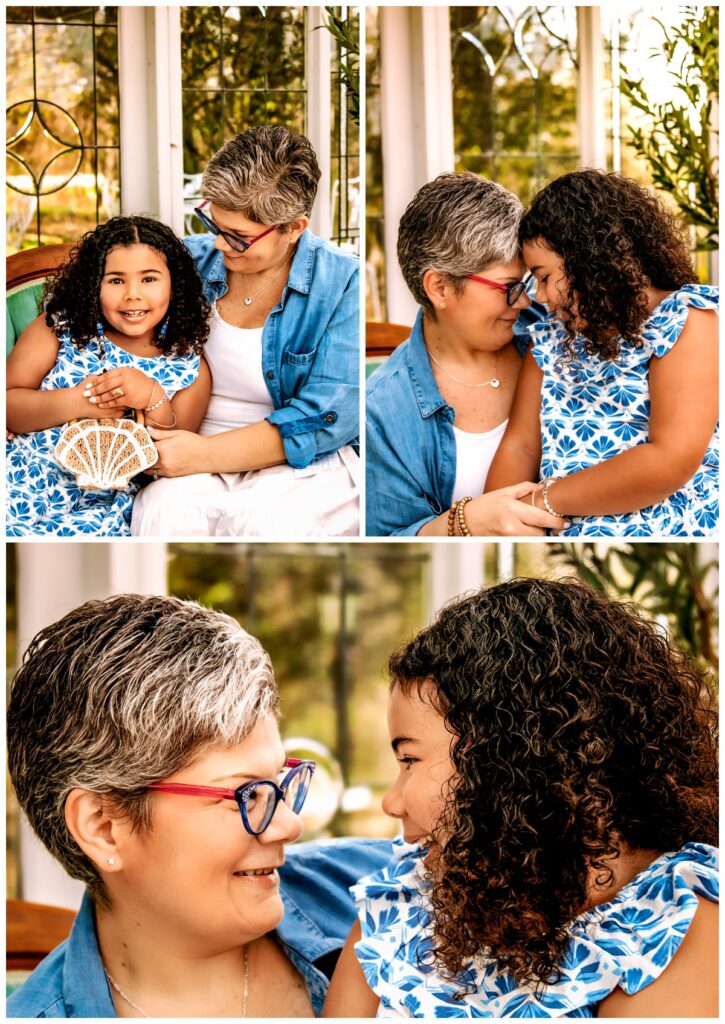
(268,173)
(121,693)
(457,224)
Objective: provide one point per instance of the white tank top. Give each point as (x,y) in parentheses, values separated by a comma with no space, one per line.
(474,455)
(239,393)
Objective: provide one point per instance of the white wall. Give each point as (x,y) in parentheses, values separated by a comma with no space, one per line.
(53,578)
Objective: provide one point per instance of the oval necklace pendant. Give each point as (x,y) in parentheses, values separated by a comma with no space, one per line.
(495,383)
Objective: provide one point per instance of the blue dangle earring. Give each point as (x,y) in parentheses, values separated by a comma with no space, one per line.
(163,329)
(102,340)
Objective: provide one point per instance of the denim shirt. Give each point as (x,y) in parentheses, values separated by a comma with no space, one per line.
(410,445)
(310,345)
(318,915)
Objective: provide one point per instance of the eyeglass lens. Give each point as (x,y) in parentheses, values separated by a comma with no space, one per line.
(260,801)
(236,243)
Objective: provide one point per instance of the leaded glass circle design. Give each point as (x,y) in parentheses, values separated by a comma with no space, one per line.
(46,141)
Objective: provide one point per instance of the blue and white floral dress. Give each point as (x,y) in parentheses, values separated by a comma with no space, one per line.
(42,497)
(594,408)
(627,942)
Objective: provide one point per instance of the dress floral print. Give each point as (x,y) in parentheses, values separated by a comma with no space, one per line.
(627,942)
(594,408)
(42,497)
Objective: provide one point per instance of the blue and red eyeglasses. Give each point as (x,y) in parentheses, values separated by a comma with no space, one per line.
(257,801)
(238,244)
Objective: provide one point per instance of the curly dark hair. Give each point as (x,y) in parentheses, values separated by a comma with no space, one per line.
(580,731)
(616,239)
(73,293)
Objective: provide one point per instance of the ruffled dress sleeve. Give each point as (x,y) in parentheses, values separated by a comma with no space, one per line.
(639,932)
(625,943)
(664,326)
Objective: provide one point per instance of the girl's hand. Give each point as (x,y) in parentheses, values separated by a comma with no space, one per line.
(506,513)
(181,453)
(85,409)
(124,386)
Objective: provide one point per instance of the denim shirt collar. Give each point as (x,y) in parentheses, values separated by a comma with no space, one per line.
(300,275)
(85,986)
(425,389)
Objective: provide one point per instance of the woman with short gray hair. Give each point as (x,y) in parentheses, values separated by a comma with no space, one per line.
(144,749)
(276,454)
(438,407)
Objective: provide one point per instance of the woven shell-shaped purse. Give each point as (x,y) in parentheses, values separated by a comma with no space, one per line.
(104,454)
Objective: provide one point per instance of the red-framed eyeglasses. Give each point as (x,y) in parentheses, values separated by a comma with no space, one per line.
(513,291)
(237,243)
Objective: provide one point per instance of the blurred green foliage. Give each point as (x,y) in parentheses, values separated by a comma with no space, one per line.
(329,616)
(680,144)
(670,581)
(345,32)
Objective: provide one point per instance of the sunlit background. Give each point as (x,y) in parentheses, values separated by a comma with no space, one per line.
(239,66)
(330,615)
(535,91)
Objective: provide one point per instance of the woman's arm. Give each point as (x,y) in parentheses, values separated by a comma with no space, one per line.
(683,414)
(688,985)
(182,453)
(519,454)
(349,994)
(28,409)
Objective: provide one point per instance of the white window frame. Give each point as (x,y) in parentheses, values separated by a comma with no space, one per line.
(151,123)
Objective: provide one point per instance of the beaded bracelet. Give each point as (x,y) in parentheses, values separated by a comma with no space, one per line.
(164,398)
(545,495)
(452,520)
(460,519)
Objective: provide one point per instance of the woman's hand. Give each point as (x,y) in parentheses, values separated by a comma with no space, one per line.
(181,453)
(507,513)
(125,386)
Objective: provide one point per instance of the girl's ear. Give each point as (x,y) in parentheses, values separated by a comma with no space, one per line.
(98,833)
(437,288)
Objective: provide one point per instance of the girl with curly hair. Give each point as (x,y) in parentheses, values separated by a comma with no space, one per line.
(617,403)
(558,801)
(123,328)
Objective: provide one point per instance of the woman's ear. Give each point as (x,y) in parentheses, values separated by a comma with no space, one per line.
(437,288)
(295,229)
(90,822)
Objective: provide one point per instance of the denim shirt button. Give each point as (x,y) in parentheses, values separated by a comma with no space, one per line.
(330,418)
(269,375)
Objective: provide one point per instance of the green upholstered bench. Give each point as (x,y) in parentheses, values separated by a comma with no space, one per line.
(26,272)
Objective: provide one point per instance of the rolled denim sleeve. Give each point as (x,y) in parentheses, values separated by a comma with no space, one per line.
(324,415)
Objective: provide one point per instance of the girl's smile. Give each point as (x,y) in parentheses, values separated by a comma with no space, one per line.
(135,291)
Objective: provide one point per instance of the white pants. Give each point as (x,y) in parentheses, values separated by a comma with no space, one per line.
(322,500)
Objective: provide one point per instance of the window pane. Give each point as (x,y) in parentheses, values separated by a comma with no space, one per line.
(62,90)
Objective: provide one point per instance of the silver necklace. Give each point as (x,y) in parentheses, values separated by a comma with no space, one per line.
(250,298)
(494,382)
(245,991)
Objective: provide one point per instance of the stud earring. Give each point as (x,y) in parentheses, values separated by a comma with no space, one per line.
(111,861)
